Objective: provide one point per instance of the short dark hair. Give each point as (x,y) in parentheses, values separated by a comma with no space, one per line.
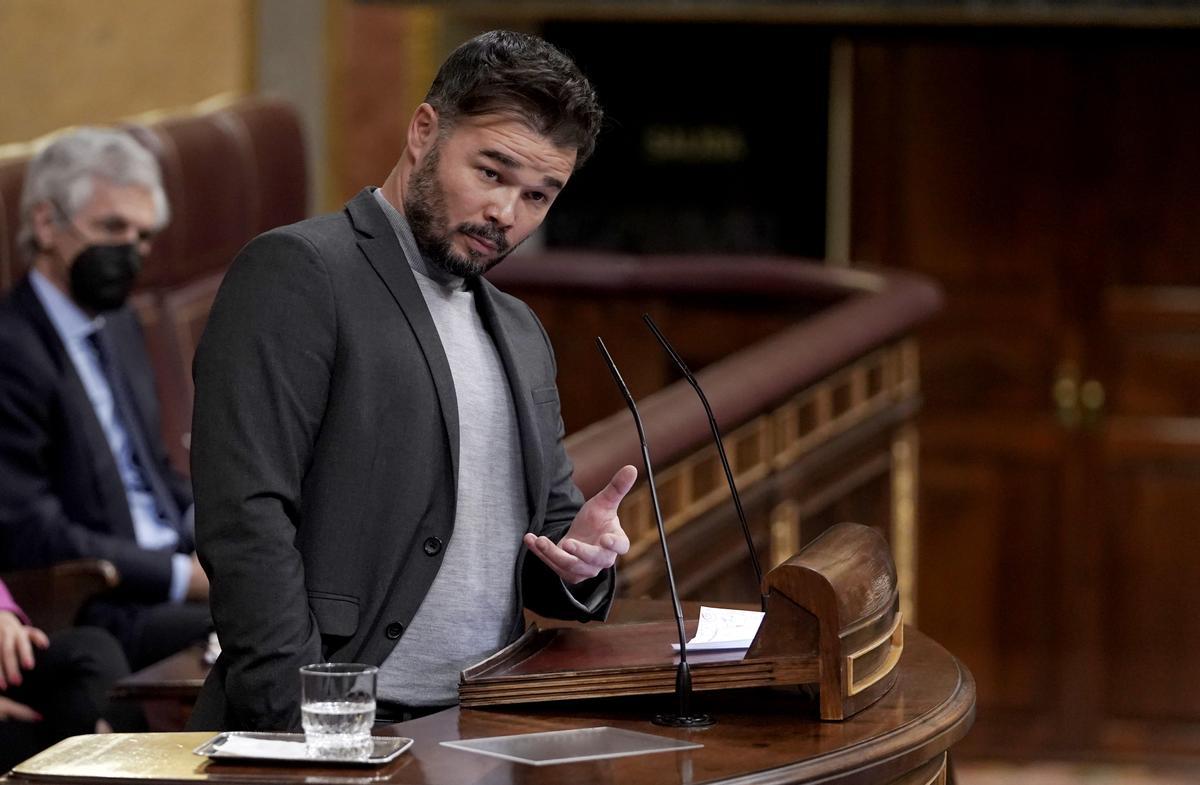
(516,73)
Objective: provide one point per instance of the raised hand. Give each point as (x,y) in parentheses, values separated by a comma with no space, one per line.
(595,538)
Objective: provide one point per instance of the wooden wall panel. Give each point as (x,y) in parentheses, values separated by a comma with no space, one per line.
(1152,596)
(986,574)
(1148,447)
(64,62)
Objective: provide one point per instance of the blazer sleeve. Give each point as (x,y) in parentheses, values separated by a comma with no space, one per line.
(262,374)
(35,528)
(7,603)
(543,591)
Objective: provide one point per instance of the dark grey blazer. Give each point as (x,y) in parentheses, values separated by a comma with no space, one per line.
(61,495)
(324,458)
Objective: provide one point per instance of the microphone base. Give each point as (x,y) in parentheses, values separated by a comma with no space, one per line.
(672,720)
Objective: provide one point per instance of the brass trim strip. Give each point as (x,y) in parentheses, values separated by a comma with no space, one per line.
(904,532)
(940,777)
(772,442)
(840,152)
(896,638)
(785,532)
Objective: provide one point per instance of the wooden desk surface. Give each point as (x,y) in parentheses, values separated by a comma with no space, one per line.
(761,737)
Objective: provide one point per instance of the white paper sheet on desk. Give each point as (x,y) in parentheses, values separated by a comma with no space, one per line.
(265,748)
(724,628)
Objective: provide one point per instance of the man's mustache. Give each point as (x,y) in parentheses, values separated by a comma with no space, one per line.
(487,233)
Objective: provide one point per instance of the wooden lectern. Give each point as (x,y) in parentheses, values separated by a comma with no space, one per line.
(833,620)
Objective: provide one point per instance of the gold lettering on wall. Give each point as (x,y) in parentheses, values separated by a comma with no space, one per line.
(700,144)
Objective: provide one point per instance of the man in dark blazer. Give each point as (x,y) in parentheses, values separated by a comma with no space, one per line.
(83,470)
(377,441)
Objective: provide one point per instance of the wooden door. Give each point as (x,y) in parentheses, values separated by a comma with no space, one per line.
(1051,182)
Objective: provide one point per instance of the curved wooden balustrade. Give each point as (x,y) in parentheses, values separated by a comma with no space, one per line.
(816,416)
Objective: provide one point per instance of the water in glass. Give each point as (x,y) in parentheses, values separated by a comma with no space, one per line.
(338,729)
(337,709)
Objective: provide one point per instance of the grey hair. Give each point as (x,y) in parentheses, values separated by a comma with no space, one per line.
(64,174)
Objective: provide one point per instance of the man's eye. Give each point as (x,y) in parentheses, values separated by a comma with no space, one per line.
(490,174)
(536,196)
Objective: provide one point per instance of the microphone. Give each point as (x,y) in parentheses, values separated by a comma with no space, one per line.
(684,718)
(712,423)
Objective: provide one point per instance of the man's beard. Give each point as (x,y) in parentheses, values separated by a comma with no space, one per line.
(425,209)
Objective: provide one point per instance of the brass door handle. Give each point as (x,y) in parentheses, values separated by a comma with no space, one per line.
(1066,394)
(1091,398)
(1077,402)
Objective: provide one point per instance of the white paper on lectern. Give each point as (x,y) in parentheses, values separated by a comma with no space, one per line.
(724,628)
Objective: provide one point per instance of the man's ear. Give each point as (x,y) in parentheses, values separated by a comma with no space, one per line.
(422,131)
(45,224)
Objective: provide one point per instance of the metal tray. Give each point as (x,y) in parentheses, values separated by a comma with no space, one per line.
(290,748)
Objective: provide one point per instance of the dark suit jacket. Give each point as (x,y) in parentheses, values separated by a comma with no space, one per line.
(324,458)
(61,496)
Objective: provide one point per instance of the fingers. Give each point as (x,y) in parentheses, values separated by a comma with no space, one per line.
(24,648)
(10,628)
(573,561)
(610,498)
(597,556)
(16,649)
(616,540)
(11,710)
(39,638)
(10,668)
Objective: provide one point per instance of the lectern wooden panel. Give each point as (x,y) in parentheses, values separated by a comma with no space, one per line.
(832,620)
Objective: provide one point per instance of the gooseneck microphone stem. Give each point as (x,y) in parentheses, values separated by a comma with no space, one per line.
(716,433)
(683,676)
(662,532)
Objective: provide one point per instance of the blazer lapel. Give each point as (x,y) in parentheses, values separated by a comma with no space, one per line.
(531,443)
(378,243)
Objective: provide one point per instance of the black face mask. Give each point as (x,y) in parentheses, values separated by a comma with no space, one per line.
(102,276)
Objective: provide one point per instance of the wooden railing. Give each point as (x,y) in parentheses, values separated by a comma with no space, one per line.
(817,416)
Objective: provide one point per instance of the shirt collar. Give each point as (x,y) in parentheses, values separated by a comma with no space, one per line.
(69,320)
(409,245)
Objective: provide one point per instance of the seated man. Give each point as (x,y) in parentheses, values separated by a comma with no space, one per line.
(83,470)
(54,687)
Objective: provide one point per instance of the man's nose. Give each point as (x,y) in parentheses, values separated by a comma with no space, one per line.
(502,207)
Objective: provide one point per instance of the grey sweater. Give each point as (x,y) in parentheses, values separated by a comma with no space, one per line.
(469,610)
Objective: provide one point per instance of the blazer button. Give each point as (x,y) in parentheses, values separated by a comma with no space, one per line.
(394,630)
(433,546)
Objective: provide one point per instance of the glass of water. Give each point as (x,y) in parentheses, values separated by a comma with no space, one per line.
(337,709)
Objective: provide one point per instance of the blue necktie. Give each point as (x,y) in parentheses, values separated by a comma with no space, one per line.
(126,413)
